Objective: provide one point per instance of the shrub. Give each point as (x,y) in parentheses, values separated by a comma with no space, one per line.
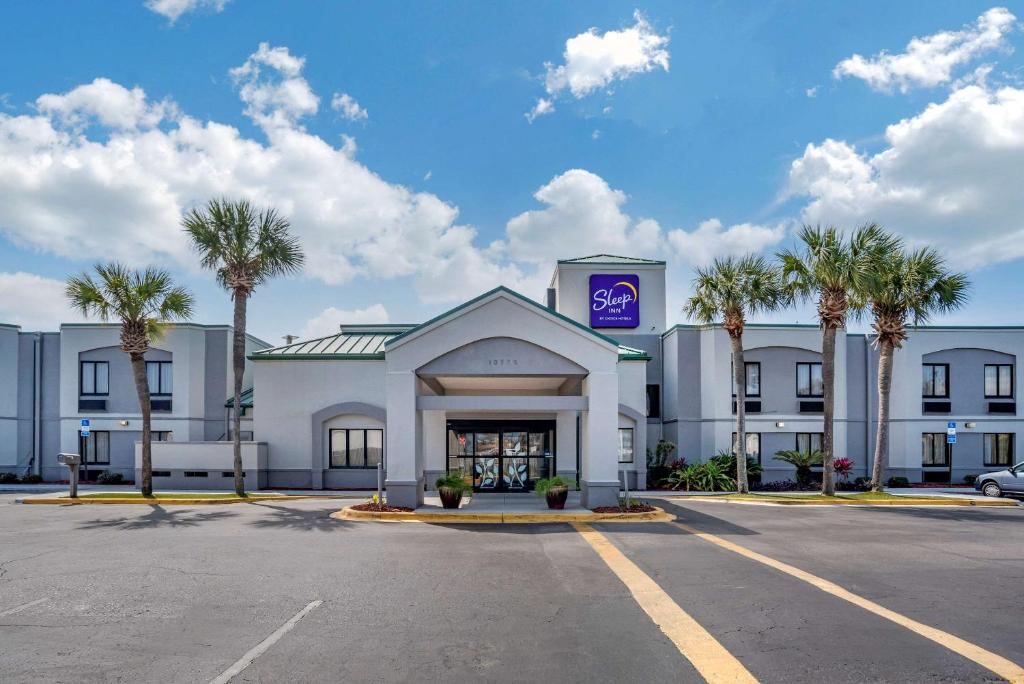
(843,467)
(862,482)
(107,477)
(8,478)
(970,479)
(898,482)
(541,487)
(803,460)
(452,481)
(687,477)
(32,479)
(727,462)
(706,477)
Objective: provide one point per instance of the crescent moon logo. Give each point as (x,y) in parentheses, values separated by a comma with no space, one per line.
(636,295)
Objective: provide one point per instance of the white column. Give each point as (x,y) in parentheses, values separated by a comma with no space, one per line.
(600,454)
(565,443)
(435,452)
(404,477)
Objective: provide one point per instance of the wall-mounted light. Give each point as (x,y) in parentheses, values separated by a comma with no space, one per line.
(970,426)
(123,423)
(779,423)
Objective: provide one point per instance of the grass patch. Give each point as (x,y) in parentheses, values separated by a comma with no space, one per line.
(865,497)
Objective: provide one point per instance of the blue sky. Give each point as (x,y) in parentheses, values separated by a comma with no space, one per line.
(434,185)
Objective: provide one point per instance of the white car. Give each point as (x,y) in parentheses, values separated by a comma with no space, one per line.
(1009,481)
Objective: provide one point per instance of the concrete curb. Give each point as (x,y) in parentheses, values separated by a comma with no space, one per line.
(859,502)
(347,513)
(183,501)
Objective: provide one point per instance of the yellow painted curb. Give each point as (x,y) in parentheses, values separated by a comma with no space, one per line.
(785,501)
(348,513)
(85,501)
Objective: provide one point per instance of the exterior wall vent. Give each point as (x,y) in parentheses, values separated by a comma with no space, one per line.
(936,407)
(1008,407)
(812,407)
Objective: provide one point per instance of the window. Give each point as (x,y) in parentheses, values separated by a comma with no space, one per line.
(809,442)
(158,373)
(998,381)
(935,380)
(753,445)
(94,378)
(933,449)
(654,401)
(809,382)
(95,448)
(356,448)
(998,449)
(625,445)
(162,435)
(753,376)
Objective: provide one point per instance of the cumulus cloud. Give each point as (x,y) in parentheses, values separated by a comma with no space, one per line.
(329,321)
(118,189)
(349,108)
(174,9)
(582,209)
(930,61)
(949,176)
(593,61)
(34,302)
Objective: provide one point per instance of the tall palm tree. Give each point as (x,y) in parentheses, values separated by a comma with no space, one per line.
(143,301)
(245,247)
(730,290)
(910,287)
(836,270)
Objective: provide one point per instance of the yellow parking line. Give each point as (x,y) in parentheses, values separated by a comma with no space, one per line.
(695,643)
(1006,669)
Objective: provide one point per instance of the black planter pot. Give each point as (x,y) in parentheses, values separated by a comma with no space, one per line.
(556,497)
(450,498)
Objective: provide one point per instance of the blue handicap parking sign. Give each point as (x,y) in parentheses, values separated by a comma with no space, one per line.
(85,423)
(951,439)
(951,425)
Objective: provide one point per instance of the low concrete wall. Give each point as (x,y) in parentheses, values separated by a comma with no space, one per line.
(186,462)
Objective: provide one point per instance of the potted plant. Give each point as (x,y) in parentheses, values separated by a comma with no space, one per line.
(555,490)
(450,488)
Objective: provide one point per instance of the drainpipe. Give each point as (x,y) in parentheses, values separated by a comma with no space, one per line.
(868,451)
(37,402)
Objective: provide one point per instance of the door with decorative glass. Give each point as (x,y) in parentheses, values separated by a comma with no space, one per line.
(501,456)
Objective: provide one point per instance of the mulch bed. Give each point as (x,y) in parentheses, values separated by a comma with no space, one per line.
(381,508)
(635,508)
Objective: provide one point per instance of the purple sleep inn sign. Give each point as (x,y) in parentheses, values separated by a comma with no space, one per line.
(614,301)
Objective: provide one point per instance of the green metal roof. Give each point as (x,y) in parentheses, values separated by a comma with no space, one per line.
(632,354)
(358,345)
(611,259)
(246,399)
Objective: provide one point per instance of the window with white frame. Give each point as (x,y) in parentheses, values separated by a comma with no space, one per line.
(625,445)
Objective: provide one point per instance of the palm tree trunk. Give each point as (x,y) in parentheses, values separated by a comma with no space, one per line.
(238,366)
(142,387)
(740,380)
(828,377)
(882,437)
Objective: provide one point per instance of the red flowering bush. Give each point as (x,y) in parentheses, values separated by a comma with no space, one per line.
(843,467)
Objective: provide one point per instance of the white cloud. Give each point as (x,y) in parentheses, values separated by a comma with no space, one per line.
(949,176)
(349,108)
(543,106)
(593,60)
(812,92)
(930,61)
(583,210)
(328,321)
(712,239)
(118,190)
(595,134)
(34,302)
(174,9)
(273,89)
(428,175)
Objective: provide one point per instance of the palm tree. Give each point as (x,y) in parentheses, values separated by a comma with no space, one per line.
(836,271)
(245,247)
(910,287)
(143,301)
(732,289)
(803,460)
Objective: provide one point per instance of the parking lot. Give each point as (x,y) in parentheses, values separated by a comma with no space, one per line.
(190,594)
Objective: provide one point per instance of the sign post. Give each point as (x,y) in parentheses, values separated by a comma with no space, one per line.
(951,432)
(84,430)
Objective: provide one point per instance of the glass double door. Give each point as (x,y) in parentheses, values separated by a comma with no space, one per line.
(499,457)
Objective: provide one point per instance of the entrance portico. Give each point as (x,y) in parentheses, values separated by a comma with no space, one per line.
(502,359)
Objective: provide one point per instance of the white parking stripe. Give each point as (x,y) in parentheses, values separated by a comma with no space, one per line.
(261,648)
(23,606)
